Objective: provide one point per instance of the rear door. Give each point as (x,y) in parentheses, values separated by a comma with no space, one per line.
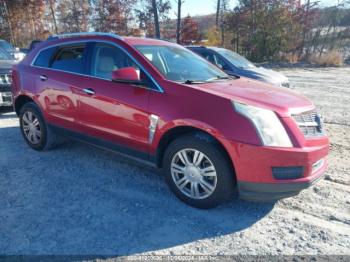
(59,72)
(114,112)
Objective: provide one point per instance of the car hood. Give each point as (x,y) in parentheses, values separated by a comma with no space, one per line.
(6,65)
(256,93)
(265,74)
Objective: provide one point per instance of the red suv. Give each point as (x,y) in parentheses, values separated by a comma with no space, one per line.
(160,103)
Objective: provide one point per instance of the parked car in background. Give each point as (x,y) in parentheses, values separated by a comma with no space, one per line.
(159,102)
(235,64)
(6,63)
(15,52)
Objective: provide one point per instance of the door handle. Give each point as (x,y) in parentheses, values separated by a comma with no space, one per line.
(43,78)
(89,91)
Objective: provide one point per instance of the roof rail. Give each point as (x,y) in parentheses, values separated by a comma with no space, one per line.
(81,34)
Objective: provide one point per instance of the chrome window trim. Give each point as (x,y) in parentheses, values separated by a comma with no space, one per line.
(159,88)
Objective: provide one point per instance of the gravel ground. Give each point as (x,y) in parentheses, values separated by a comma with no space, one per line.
(78,199)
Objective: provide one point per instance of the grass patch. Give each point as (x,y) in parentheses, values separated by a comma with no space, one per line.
(331,58)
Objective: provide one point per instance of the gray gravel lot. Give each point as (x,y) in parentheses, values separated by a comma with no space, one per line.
(81,200)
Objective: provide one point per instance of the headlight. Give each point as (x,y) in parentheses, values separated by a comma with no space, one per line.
(267,124)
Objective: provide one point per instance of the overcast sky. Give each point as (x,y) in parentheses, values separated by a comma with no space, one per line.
(203,7)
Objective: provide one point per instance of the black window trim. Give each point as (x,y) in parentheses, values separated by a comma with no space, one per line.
(155,83)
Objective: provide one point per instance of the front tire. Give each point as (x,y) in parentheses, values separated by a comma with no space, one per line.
(34,129)
(198,171)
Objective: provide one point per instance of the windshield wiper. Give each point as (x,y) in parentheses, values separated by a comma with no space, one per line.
(223,77)
(218,78)
(191,82)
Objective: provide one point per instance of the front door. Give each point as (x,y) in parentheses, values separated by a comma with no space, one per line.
(114,112)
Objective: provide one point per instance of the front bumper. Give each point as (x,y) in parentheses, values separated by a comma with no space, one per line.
(255,165)
(275,191)
(5,99)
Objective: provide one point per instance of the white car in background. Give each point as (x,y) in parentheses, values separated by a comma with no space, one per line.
(13,51)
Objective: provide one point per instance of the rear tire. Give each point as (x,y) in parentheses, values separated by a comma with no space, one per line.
(34,129)
(207,179)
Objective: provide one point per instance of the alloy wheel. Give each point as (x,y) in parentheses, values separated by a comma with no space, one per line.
(193,173)
(31,127)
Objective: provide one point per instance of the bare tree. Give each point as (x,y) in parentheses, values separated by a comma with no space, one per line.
(73,15)
(151,13)
(156,18)
(52,9)
(8,20)
(218,6)
(221,8)
(178,24)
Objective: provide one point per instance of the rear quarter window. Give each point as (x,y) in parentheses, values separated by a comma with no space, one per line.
(44,57)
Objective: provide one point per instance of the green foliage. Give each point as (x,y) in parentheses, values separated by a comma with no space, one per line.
(260,29)
(273,29)
(213,36)
(264,28)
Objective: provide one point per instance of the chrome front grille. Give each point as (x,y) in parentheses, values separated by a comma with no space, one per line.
(309,123)
(285,84)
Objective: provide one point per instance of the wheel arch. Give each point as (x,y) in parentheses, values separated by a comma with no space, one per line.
(175,132)
(20,101)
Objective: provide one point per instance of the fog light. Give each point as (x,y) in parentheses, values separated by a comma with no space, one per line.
(293,172)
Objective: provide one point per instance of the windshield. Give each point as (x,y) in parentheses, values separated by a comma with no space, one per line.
(234,58)
(176,63)
(4,55)
(6,45)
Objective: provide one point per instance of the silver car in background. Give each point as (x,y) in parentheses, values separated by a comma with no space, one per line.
(235,64)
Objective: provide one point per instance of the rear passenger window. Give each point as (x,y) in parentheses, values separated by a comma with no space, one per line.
(69,58)
(44,57)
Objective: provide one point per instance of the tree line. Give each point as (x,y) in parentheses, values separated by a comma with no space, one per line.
(296,30)
(259,29)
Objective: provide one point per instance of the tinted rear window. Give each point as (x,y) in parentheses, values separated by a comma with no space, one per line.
(66,58)
(43,59)
(69,58)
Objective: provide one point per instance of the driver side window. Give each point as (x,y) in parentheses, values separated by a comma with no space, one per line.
(107,58)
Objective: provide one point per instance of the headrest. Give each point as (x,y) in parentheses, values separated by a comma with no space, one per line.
(67,56)
(105,64)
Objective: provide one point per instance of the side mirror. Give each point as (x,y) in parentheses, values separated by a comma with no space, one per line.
(126,75)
